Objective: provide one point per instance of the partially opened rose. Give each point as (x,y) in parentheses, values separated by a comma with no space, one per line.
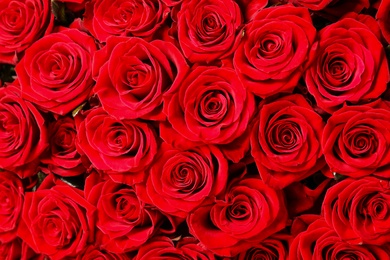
(121,148)
(209,29)
(124,221)
(55,73)
(359,210)
(133,76)
(349,65)
(356,141)
(181,180)
(212,106)
(286,141)
(105,18)
(21,24)
(272,55)
(63,158)
(23,133)
(249,212)
(57,222)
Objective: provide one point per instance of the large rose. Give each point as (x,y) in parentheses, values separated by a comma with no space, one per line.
(249,212)
(356,141)
(383,17)
(163,248)
(139,18)
(212,107)
(321,242)
(181,180)
(55,72)
(23,134)
(209,29)
(286,141)
(11,203)
(133,76)
(273,53)
(349,64)
(359,210)
(124,222)
(127,148)
(63,158)
(57,222)
(21,24)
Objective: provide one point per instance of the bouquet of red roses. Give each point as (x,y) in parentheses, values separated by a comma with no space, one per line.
(194,129)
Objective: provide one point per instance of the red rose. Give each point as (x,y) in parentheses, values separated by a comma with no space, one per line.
(349,64)
(383,17)
(57,222)
(356,141)
(11,198)
(319,241)
(23,136)
(286,141)
(92,252)
(124,222)
(212,107)
(21,24)
(185,178)
(359,210)
(133,76)
(63,160)
(209,30)
(138,18)
(55,72)
(128,146)
(270,248)
(275,47)
(163,248)
(249,213)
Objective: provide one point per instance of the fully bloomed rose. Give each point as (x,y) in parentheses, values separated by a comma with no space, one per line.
(286,141)
(321,242)
(273,53)
(138,18)
(57,222)
(63,158)
(249,212)
(55,73)
(180,180)
(209,29)
(359,210)
(21,24)
(121,148)
(23,134)
(349,65)
(133,76)
(124,221)
(11,203)
(212,106)
(383,17)
(356,141)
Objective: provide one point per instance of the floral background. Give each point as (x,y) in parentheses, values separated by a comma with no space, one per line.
(194,129)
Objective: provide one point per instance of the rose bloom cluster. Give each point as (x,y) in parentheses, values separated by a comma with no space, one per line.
(194,129)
